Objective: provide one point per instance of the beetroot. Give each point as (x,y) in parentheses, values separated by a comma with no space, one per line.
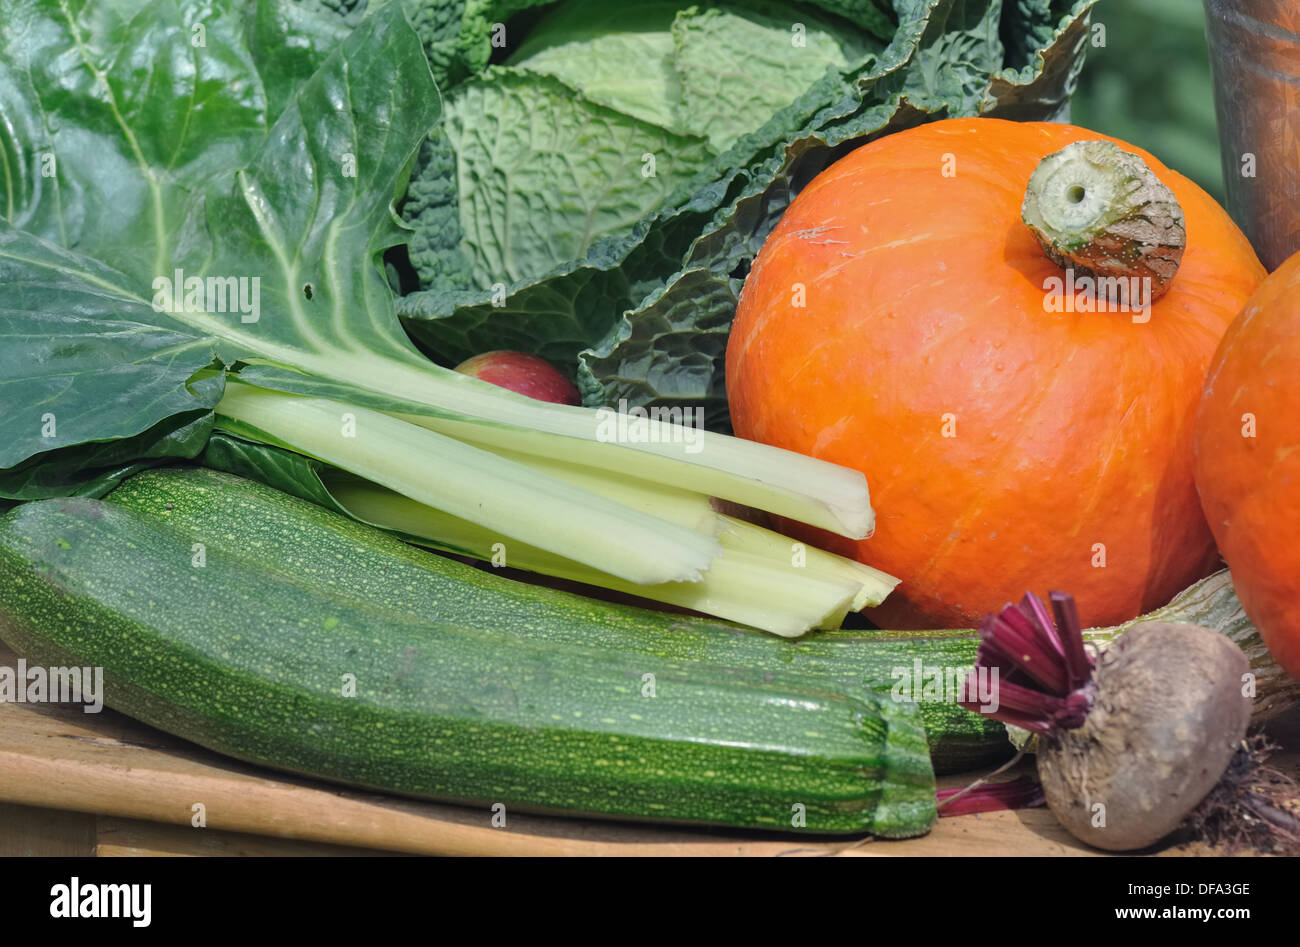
(1167,715)
(1127,745)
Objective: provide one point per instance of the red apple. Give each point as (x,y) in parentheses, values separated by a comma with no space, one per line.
(522,373)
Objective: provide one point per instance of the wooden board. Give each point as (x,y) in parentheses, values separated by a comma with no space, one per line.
(58,757)
(31,831)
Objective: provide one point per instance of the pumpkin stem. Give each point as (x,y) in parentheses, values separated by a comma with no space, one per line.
(1103,213)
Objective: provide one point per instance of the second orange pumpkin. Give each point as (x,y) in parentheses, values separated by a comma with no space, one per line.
(895,322)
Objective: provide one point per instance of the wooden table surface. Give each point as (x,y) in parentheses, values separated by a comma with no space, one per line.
(73,783)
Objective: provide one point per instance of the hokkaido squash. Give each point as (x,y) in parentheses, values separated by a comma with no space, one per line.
(1248,459)
(900,320)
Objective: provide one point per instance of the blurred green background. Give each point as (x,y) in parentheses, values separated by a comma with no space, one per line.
(1150,85)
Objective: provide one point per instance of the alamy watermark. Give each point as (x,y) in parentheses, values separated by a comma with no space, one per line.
(53,685)
(933,684)
(656,425)
(211,294)
(76,899)
(1131,294)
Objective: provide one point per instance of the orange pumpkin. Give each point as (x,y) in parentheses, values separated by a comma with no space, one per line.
(1248,459)
(896,321)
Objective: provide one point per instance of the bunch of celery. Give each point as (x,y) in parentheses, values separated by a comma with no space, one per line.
(483,477)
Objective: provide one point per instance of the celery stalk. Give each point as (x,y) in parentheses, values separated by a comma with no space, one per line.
(873,585)
(739,586)
(503,496)
(675,504)
(783,482)
(695,510)
(766,478)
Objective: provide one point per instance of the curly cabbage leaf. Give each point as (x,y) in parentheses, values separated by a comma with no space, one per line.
(640,307)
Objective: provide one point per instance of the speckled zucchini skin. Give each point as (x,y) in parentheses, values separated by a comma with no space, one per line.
(249,655)
(399,578)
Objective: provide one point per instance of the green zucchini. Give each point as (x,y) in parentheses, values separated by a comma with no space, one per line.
(270,529)
(408,581)
(247,643)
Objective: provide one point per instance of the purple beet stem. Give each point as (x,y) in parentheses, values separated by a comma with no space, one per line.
(1023,792)
(1043,672)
